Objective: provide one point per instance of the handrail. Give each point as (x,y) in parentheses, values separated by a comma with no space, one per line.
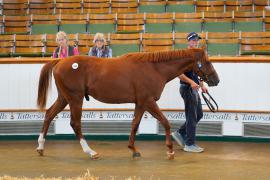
(215,59)
(132,109)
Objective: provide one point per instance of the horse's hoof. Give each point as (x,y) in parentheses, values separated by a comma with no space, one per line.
(95,156)
(136,155)
(40,152)
(170,156)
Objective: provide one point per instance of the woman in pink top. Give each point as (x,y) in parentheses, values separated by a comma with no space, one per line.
(64,50)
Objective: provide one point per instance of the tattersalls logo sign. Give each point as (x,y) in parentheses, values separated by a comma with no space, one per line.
(255,117)
(129,115)
(85,115)
(18,116)
(65,115)
(208,116)
(104,115)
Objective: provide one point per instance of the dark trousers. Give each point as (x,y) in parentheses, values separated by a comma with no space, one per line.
(193,112)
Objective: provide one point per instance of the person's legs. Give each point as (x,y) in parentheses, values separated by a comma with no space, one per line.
(193,112)
(185,135)
(191,104)
(180,136)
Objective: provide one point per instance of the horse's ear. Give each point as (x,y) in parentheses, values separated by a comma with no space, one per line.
(204,46)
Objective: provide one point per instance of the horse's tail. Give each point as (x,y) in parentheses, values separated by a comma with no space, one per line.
(44,82)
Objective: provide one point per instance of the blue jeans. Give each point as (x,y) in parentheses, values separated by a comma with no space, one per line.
(193,112)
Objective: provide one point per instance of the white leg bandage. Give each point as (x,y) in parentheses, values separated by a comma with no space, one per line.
(41,142)
(86,148)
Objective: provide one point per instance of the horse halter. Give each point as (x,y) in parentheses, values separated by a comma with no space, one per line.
(203,76)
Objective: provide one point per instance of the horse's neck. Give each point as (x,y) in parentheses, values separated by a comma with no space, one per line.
(172,69)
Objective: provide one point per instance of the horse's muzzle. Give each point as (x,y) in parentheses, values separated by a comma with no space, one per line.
(212,79)
(213,83)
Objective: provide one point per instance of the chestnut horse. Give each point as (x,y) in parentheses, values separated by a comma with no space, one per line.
(132,78)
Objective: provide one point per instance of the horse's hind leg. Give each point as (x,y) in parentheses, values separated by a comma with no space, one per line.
(135,124)
(154,110)
(57,107)
(76,114)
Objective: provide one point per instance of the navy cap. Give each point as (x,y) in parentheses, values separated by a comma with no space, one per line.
(193,36)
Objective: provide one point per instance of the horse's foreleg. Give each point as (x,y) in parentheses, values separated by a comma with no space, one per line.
(57,107)
(154,110)
(41,142)
(76,113)
(135,124)
(93,154)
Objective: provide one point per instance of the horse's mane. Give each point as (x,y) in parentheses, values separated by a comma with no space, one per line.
(158,56)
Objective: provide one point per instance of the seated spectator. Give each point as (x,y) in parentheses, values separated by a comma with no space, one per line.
(100,49)
(64,50)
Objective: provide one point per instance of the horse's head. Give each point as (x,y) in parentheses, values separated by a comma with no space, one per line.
(204,68)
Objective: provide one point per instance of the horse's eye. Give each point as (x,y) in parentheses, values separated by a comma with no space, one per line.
(199,64)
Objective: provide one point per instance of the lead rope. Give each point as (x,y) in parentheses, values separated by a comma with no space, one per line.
(212,107)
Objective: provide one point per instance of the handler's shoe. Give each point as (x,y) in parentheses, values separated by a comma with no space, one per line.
(199,147)
(178,138)
(193,148)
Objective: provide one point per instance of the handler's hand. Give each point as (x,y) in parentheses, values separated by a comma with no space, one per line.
(204,89)
(194,86)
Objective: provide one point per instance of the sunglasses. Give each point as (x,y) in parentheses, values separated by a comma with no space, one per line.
(99,40)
